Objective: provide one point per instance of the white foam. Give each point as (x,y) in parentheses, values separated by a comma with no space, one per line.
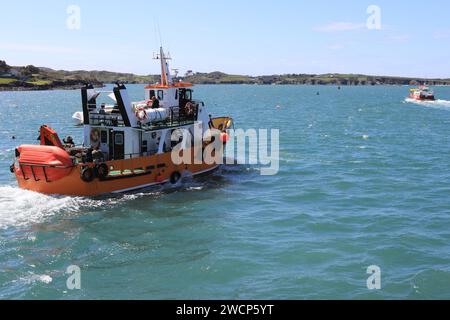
(20,207)
(32,278)
(436,103)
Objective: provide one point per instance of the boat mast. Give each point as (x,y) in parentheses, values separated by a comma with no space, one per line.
(166,78)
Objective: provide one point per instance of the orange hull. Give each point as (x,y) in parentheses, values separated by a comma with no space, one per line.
(422,98)
(133,174)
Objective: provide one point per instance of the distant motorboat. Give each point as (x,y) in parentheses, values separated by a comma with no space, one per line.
(422,93)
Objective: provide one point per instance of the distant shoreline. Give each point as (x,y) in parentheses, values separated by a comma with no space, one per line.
(31,78)
(47,87)
(78,87)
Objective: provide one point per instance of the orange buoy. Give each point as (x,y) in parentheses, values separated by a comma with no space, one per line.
(224,137)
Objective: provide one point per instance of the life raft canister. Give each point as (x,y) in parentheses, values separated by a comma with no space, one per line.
(46,163)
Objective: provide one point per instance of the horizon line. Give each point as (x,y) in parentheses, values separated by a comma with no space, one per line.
(253,76)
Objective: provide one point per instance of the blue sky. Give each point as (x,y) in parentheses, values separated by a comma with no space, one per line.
(243,37)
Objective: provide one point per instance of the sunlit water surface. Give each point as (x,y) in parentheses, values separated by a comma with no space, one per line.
(364,180)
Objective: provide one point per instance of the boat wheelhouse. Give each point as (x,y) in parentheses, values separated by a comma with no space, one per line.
(126,145)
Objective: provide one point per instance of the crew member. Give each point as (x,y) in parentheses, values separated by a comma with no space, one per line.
(68,141)
(97,155)
(155,103)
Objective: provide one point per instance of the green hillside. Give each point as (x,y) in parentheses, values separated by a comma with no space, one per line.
(37,78)
(310,79)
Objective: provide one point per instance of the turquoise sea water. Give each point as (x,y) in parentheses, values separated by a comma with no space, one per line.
(364,180)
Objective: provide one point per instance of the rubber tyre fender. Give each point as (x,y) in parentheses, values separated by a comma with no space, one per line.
(102,170)
(87,174)
(175,177)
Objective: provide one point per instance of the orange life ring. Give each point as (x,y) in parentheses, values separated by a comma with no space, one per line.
(95,137)
(141,114)
(189,109)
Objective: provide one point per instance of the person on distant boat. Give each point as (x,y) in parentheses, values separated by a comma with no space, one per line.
(155,103)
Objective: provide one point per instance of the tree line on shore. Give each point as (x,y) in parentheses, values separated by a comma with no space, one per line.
(36,78)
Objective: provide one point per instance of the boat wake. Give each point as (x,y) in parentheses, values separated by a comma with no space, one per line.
(435,104)
(23,208)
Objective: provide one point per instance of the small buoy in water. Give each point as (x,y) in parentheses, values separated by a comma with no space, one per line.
(318,93)
(339,88)
(278,106)
(13,137)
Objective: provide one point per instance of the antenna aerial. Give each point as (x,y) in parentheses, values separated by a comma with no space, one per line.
(157,56)
(159,33)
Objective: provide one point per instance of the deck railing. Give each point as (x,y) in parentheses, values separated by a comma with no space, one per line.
(108,119)
(177,116)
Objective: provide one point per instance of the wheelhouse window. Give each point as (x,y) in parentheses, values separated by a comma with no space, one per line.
(160,95)
(118,139)
(104,136)
(188,94)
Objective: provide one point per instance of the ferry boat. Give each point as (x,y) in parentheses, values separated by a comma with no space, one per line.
(126,146)
(422,93)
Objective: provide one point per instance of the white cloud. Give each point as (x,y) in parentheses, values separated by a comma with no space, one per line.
(441,34)
(400,38)
(341,26)
(336,47)
(36,48)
